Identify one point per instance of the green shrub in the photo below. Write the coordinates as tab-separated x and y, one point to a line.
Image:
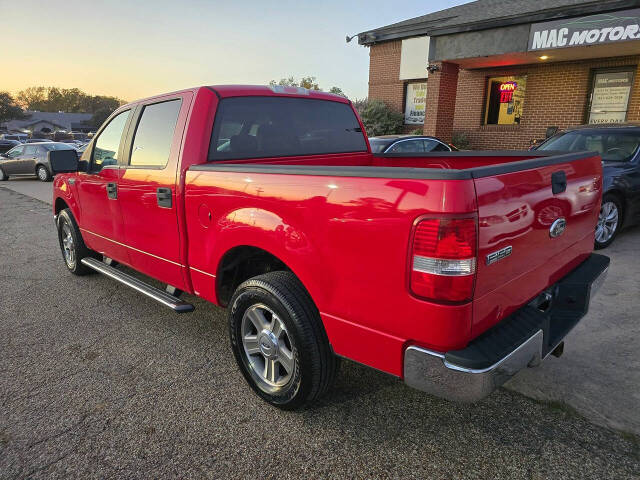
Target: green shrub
378	118
460	140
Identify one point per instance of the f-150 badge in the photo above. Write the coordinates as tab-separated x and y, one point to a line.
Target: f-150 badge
499	255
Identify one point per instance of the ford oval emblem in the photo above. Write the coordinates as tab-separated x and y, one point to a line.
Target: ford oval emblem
557	227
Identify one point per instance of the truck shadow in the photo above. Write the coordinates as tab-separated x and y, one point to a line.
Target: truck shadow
370	407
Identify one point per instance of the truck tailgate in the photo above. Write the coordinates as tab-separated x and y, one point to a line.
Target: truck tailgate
522	247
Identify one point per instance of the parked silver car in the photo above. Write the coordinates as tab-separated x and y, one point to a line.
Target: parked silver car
409	144
29	159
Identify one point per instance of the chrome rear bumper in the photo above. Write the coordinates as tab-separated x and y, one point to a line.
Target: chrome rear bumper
469	375
430	372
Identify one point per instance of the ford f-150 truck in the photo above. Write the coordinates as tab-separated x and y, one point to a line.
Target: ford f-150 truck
449	270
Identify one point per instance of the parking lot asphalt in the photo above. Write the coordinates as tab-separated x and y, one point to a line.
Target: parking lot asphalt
97	381
31	187
599	374
599	371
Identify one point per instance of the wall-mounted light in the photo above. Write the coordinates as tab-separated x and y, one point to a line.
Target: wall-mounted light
431	68
544	57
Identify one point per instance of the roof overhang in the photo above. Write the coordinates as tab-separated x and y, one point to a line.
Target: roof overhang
441	26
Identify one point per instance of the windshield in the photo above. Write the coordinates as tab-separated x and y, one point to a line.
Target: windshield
378	146
612	146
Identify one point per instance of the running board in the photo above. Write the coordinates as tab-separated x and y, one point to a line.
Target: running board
166	299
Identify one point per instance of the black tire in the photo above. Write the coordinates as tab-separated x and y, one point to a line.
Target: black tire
43	174
3	176
609	200
67	224
315	364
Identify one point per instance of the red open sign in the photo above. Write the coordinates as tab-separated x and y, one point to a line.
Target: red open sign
506	91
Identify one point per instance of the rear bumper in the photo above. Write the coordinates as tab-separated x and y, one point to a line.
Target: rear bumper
523	339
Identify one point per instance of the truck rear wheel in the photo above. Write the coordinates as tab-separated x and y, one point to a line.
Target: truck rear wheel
279	341
71	244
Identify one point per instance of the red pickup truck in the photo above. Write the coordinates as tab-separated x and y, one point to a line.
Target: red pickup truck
450	270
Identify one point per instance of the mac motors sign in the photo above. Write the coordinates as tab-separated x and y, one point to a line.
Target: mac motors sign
618	26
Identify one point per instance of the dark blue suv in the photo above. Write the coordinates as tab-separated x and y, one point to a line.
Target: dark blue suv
618	145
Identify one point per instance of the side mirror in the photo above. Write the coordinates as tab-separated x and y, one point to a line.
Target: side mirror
63	161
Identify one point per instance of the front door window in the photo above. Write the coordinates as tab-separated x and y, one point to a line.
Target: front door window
15	152
107	144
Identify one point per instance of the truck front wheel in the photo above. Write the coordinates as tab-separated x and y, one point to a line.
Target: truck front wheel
279	341
71	244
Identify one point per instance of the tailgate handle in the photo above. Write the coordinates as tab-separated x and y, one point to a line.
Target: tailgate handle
558	182
163	196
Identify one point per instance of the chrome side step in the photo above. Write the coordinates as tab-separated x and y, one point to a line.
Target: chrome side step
166	299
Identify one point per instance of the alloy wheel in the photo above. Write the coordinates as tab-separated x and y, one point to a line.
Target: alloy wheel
68	247
607	222
42	173
267	346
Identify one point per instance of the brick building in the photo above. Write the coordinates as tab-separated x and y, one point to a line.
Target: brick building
501	72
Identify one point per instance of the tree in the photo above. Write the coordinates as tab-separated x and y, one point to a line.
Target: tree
32	98
9	109
379	119
100	116
95	103
305	82
53	99
360	104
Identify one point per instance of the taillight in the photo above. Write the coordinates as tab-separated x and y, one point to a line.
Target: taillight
443	259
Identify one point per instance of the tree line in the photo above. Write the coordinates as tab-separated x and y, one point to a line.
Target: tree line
377	117
54	99
70	100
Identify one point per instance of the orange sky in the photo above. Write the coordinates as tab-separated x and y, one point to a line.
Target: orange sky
137	49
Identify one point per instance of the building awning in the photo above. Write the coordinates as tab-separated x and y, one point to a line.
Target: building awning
490	14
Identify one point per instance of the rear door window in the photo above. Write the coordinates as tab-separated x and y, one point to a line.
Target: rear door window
30	150
258	127
154	134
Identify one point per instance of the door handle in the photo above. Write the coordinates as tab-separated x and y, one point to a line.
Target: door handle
112	190
163	196
558	182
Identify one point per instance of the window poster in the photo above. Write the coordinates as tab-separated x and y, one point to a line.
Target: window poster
610	97
415	103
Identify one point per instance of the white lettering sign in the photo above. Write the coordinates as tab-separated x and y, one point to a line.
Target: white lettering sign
591	30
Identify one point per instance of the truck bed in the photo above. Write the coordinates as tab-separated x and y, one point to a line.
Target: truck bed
346	228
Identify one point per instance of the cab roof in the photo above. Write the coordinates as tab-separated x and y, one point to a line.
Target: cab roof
225	91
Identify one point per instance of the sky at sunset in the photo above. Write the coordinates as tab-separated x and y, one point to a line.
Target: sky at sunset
140	48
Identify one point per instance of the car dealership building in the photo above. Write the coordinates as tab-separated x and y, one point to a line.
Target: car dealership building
501	72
